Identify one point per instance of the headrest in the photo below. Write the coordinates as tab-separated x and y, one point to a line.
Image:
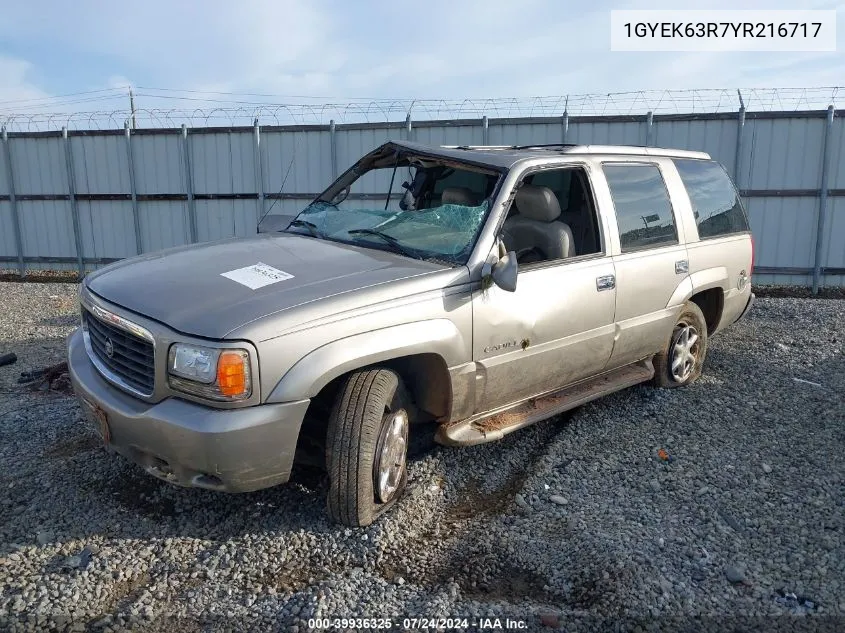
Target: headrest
537	203
458	195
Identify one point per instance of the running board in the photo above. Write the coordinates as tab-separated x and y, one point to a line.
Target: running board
495	425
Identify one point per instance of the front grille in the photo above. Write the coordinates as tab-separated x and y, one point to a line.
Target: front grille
132	357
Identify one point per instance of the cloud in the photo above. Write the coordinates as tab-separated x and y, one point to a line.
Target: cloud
15	85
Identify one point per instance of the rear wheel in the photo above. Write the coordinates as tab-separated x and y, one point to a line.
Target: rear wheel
367	446
682	361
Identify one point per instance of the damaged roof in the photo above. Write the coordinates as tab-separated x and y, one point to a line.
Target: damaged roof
506	156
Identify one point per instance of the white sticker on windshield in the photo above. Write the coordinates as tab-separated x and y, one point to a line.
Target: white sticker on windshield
257	276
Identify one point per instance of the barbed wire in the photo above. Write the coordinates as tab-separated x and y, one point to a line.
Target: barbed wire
233	112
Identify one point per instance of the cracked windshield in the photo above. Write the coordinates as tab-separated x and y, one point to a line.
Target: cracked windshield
413	206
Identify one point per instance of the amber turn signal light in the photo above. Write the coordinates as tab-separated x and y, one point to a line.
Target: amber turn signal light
232	374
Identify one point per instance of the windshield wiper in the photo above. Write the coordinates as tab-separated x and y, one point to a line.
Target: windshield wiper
312	228
391	241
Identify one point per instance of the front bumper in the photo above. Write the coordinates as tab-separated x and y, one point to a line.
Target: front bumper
234	450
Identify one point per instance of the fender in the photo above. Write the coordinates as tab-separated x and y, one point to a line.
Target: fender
702	280
316	369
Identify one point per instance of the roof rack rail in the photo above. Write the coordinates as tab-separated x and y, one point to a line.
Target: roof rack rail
476	146
541	145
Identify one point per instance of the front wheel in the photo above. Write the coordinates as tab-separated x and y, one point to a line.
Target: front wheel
681	362
367	446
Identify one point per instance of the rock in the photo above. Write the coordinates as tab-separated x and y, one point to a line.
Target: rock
767	469
400	580
561	501
551	620
44	537
734	574
521	502
73	562
654	485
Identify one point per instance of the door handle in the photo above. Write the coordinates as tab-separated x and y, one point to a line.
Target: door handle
605	282
682	267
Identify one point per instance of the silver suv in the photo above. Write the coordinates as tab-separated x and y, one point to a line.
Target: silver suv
464	292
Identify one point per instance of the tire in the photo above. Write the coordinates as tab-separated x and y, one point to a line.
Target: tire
687	367
362	436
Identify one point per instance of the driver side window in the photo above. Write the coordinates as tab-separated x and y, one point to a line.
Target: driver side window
552	217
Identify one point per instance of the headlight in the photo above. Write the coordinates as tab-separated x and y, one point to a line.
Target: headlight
216	374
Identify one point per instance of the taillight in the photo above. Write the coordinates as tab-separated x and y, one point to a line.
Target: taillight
751	267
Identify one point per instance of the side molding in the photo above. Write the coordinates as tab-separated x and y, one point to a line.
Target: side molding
315	370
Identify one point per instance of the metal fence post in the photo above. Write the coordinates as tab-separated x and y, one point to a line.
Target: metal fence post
136	217
74	207
485	130
13	203
739	130
564	127
649	122
817	266
408	127
259	170
333	147
189	187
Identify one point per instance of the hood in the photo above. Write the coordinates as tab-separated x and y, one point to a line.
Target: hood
184	288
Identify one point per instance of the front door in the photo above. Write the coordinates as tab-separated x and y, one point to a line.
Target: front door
556	328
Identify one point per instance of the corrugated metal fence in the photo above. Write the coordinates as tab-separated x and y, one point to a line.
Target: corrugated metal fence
81	199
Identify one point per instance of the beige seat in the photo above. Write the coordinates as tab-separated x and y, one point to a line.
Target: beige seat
535	232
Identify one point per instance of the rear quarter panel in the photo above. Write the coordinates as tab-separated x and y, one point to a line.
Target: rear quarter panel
721	262
718	262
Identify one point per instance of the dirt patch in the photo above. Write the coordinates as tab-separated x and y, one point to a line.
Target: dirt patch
798	292
510	583
600	587
122	594
446	551
141	492
73	447
472	500
293	577
41	276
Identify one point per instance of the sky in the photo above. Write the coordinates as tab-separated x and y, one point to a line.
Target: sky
336	51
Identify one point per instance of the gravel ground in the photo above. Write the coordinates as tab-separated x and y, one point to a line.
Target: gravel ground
574	523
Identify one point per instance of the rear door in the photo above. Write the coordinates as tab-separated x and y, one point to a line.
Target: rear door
651	260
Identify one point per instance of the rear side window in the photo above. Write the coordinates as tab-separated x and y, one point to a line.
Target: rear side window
643	209
715	203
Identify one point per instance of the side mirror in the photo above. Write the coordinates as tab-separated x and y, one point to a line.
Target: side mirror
505	272
501	267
